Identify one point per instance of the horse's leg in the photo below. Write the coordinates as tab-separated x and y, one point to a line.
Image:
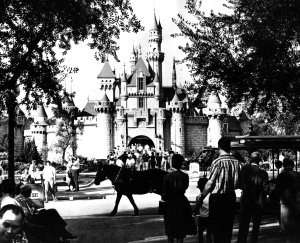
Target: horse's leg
115	210
136	210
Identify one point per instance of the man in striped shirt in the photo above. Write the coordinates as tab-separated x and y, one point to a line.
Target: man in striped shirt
224	176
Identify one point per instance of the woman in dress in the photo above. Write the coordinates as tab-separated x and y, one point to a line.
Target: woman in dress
178	218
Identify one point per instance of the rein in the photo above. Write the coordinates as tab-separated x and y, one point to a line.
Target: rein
118	174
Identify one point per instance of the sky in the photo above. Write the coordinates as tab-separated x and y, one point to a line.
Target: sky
85	84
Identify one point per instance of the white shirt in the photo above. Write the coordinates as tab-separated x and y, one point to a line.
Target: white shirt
49	173
6	200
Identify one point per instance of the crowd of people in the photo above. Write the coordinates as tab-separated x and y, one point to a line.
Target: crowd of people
216	203
140	158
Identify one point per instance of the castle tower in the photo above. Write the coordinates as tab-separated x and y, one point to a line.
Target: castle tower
39	129
133	59
155	56
124	94
177	108
107	81
104	130
215	114
174	78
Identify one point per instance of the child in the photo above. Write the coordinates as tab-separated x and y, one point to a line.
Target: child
203	222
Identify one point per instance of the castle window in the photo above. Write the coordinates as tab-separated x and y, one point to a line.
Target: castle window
140	84
141	103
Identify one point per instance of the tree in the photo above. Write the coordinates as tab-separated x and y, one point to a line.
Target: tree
30	152
31	32
67	130
251	54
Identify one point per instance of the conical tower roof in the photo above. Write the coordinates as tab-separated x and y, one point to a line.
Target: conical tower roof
40	111
214	100
68	101
175	98
106	71
155	25
105	98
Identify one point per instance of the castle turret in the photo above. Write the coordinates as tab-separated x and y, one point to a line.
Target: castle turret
104	130
155	56
215	114
107	81
124	94
133	59
174	78
39	129
177	108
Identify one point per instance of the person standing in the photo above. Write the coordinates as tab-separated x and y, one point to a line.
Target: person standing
75	172
32	168
254	185
130	162
224	176
69	179
11	220
178	220
49	176
288	190
203	222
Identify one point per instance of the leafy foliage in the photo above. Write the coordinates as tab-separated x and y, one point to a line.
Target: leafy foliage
66	130
31	32
251	54
30	152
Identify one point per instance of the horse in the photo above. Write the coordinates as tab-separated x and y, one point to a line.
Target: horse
127	182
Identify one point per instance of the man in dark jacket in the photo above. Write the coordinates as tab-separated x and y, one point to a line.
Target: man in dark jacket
254	183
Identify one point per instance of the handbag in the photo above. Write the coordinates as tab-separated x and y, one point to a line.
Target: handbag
162	207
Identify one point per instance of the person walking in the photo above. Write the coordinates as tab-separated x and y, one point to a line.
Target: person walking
288	190
75	172
49	176
254	185
178	220
224	177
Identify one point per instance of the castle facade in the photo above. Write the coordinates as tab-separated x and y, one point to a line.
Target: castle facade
136	108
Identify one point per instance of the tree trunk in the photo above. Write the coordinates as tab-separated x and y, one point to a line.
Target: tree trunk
11	105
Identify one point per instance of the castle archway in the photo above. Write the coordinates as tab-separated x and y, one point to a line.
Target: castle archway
143	140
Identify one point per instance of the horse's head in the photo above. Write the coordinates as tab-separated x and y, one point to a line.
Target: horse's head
101	174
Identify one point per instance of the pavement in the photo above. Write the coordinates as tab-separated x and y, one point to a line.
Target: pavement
86	212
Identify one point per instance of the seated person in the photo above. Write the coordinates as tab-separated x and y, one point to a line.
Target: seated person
26	177
48	218
11	219
37	175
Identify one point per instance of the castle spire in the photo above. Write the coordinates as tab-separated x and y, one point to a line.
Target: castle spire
174	85
155	25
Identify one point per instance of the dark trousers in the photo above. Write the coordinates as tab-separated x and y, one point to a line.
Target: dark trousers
221	215
75	174
246	213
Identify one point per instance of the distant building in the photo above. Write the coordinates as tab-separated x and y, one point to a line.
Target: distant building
136	108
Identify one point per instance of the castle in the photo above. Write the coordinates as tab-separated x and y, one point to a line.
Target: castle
136	108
